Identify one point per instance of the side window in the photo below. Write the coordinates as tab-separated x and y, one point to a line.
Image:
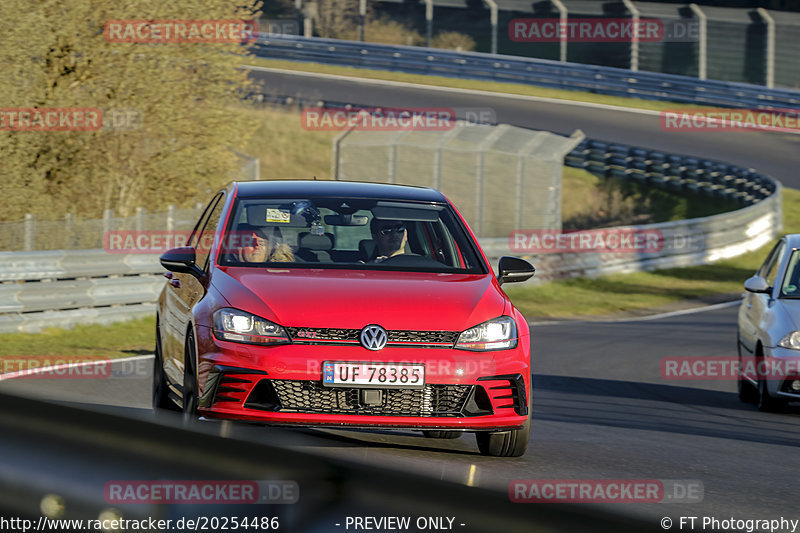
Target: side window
771	270
201	223
206	236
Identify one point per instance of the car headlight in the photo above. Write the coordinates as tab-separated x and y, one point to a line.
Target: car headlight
497	334
238	326
791	341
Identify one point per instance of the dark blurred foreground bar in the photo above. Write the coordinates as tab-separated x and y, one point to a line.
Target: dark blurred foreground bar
61	457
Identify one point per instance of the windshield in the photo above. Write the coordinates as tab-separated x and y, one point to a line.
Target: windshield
790	288
347	233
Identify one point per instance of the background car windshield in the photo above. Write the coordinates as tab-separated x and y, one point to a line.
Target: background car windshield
348	233
791	280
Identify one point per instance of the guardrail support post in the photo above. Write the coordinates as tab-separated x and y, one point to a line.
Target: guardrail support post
770	52
30	232
493	20
428	22
562	24
140	214
362	15
634	34
703	54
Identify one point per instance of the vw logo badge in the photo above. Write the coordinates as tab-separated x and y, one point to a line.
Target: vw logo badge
373	337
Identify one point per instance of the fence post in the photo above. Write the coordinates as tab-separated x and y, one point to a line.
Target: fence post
770	51
392	170
170	218
428	22
562	21
493	20
140	214
634	34
69	230
362	15
108	214
703	53
30	232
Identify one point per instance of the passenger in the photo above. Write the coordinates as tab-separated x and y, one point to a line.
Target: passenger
390	238
258	247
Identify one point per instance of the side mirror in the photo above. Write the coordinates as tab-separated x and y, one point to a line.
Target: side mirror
181	260
757	284
513	269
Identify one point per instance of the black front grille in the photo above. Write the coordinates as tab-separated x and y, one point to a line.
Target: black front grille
312	397
321	335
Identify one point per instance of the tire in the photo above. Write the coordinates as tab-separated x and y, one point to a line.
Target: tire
189	402
747	392
160	398
765	402
437	434
511	443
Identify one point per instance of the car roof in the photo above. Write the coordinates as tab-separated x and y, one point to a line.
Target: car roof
336	189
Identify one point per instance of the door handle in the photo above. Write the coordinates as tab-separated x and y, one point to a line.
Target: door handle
175	283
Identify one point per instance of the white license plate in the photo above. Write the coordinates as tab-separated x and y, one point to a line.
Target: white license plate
377	375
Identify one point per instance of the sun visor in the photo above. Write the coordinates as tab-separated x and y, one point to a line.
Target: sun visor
390	211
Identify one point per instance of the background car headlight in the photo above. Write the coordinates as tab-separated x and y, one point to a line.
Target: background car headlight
497	334
791	341
238	326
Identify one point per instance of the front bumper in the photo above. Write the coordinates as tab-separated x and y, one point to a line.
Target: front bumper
282	385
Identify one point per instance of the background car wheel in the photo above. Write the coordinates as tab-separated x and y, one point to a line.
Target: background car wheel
511	443
765	401
747	392
442	434
160	392
189	380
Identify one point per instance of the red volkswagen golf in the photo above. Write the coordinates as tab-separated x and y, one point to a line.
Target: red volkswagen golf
328	303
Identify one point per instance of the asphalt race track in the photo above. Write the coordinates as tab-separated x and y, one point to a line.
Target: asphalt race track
772	153
601	411
601	407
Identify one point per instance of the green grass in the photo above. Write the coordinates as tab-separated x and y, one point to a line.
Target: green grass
498	87
122	339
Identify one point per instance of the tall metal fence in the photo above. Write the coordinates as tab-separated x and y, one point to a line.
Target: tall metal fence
501	177
729	44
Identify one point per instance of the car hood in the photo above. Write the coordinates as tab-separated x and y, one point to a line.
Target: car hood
318	298
791	311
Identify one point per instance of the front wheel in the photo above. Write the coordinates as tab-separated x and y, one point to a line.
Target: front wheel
160	393
511	443
189	380
766	402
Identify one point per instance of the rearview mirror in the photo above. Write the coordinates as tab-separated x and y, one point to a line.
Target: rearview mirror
514	269
757	284
181	260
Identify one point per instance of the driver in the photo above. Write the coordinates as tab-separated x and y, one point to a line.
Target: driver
390	238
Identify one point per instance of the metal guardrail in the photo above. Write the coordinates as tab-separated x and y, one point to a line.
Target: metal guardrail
541	72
